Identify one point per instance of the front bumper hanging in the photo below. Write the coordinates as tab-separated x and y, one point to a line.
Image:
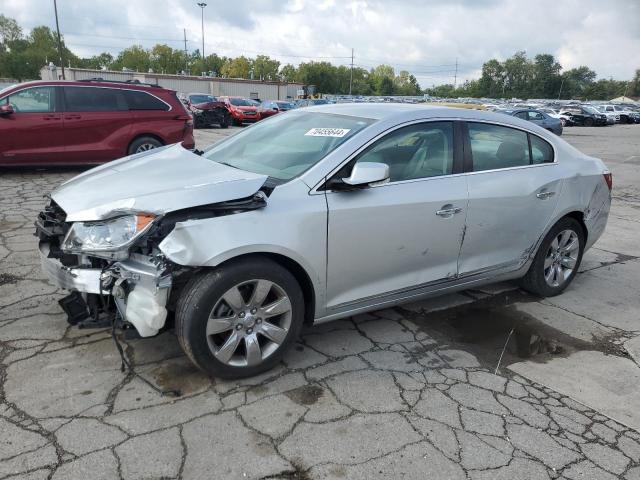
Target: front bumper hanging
139	287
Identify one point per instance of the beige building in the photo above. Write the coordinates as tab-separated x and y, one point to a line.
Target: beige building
187	84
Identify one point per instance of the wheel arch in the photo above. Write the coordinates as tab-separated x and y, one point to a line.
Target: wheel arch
297	270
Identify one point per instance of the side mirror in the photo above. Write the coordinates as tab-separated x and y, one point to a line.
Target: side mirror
368	173
6	109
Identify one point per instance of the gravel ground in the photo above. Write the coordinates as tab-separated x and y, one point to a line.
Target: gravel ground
407	392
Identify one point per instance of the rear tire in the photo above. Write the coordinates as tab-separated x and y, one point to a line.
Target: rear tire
557	260
238	320
142	144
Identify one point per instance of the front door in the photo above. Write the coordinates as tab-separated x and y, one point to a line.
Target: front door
402	235
34	133
513	192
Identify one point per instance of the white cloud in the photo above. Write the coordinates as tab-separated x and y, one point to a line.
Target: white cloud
422	37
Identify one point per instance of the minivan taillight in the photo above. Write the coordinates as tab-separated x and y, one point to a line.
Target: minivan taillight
609	179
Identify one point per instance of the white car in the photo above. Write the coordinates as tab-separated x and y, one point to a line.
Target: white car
564	119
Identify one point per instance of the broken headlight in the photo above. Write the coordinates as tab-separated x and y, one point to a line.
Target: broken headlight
106	235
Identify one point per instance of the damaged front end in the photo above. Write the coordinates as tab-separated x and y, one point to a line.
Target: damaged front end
114	269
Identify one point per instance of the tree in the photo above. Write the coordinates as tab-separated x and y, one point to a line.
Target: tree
288	73
239	67
97	62
576	80
546	76
265	68
10	31
133	58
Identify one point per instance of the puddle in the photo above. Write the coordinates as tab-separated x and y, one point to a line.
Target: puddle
483	327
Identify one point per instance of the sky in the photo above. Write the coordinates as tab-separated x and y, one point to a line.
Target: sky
425	37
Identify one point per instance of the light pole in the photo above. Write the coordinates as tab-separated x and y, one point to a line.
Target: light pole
55	9
202	5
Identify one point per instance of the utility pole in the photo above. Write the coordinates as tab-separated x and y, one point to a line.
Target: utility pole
55	9
455	77
202	5
351	74
561	84
186	54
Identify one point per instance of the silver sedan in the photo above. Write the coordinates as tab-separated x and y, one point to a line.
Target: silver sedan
315	215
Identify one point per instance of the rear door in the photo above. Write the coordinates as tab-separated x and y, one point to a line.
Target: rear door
33	134
97	123
150	117
513	186
404	235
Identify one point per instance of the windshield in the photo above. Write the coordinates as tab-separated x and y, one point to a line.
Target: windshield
590	110
201	98
286	145
6	89
241	102
285	105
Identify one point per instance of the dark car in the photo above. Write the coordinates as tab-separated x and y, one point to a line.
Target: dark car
585	116
242	110
272	107
539	118
87	122
207	110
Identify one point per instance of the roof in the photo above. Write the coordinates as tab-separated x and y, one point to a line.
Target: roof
98	83
404	111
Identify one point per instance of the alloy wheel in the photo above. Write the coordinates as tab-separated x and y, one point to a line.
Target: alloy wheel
561	258
249	323
144	147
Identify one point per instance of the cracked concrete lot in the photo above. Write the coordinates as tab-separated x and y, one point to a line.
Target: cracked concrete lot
406	393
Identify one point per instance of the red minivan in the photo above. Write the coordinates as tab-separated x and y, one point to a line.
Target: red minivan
87	122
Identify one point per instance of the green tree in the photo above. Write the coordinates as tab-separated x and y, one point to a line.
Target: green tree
10	31
238	67
288	73
265	68
133	58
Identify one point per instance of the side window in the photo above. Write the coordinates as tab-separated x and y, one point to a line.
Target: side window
522	115
138	100
93	99
537	116
33	100
495	146
417	151
541	151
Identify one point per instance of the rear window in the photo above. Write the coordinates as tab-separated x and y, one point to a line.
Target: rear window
93	99
138	100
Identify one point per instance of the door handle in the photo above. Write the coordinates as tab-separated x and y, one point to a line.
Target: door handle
51	117
545	194
73	117
449	211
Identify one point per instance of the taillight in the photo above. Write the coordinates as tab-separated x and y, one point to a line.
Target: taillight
609	179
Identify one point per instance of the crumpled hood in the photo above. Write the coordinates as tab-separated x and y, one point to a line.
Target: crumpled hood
157	181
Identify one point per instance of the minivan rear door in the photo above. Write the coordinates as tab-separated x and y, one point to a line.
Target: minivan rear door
97	123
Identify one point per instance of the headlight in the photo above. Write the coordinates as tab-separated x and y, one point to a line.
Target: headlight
106	235
196	110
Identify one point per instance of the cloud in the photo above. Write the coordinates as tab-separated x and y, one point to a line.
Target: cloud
425	38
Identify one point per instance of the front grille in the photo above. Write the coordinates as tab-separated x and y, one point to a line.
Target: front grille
249	113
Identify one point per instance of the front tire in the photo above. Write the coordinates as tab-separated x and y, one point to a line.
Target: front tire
557	260
238	320
588	122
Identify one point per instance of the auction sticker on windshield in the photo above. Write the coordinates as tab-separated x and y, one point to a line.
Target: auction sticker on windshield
328	132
